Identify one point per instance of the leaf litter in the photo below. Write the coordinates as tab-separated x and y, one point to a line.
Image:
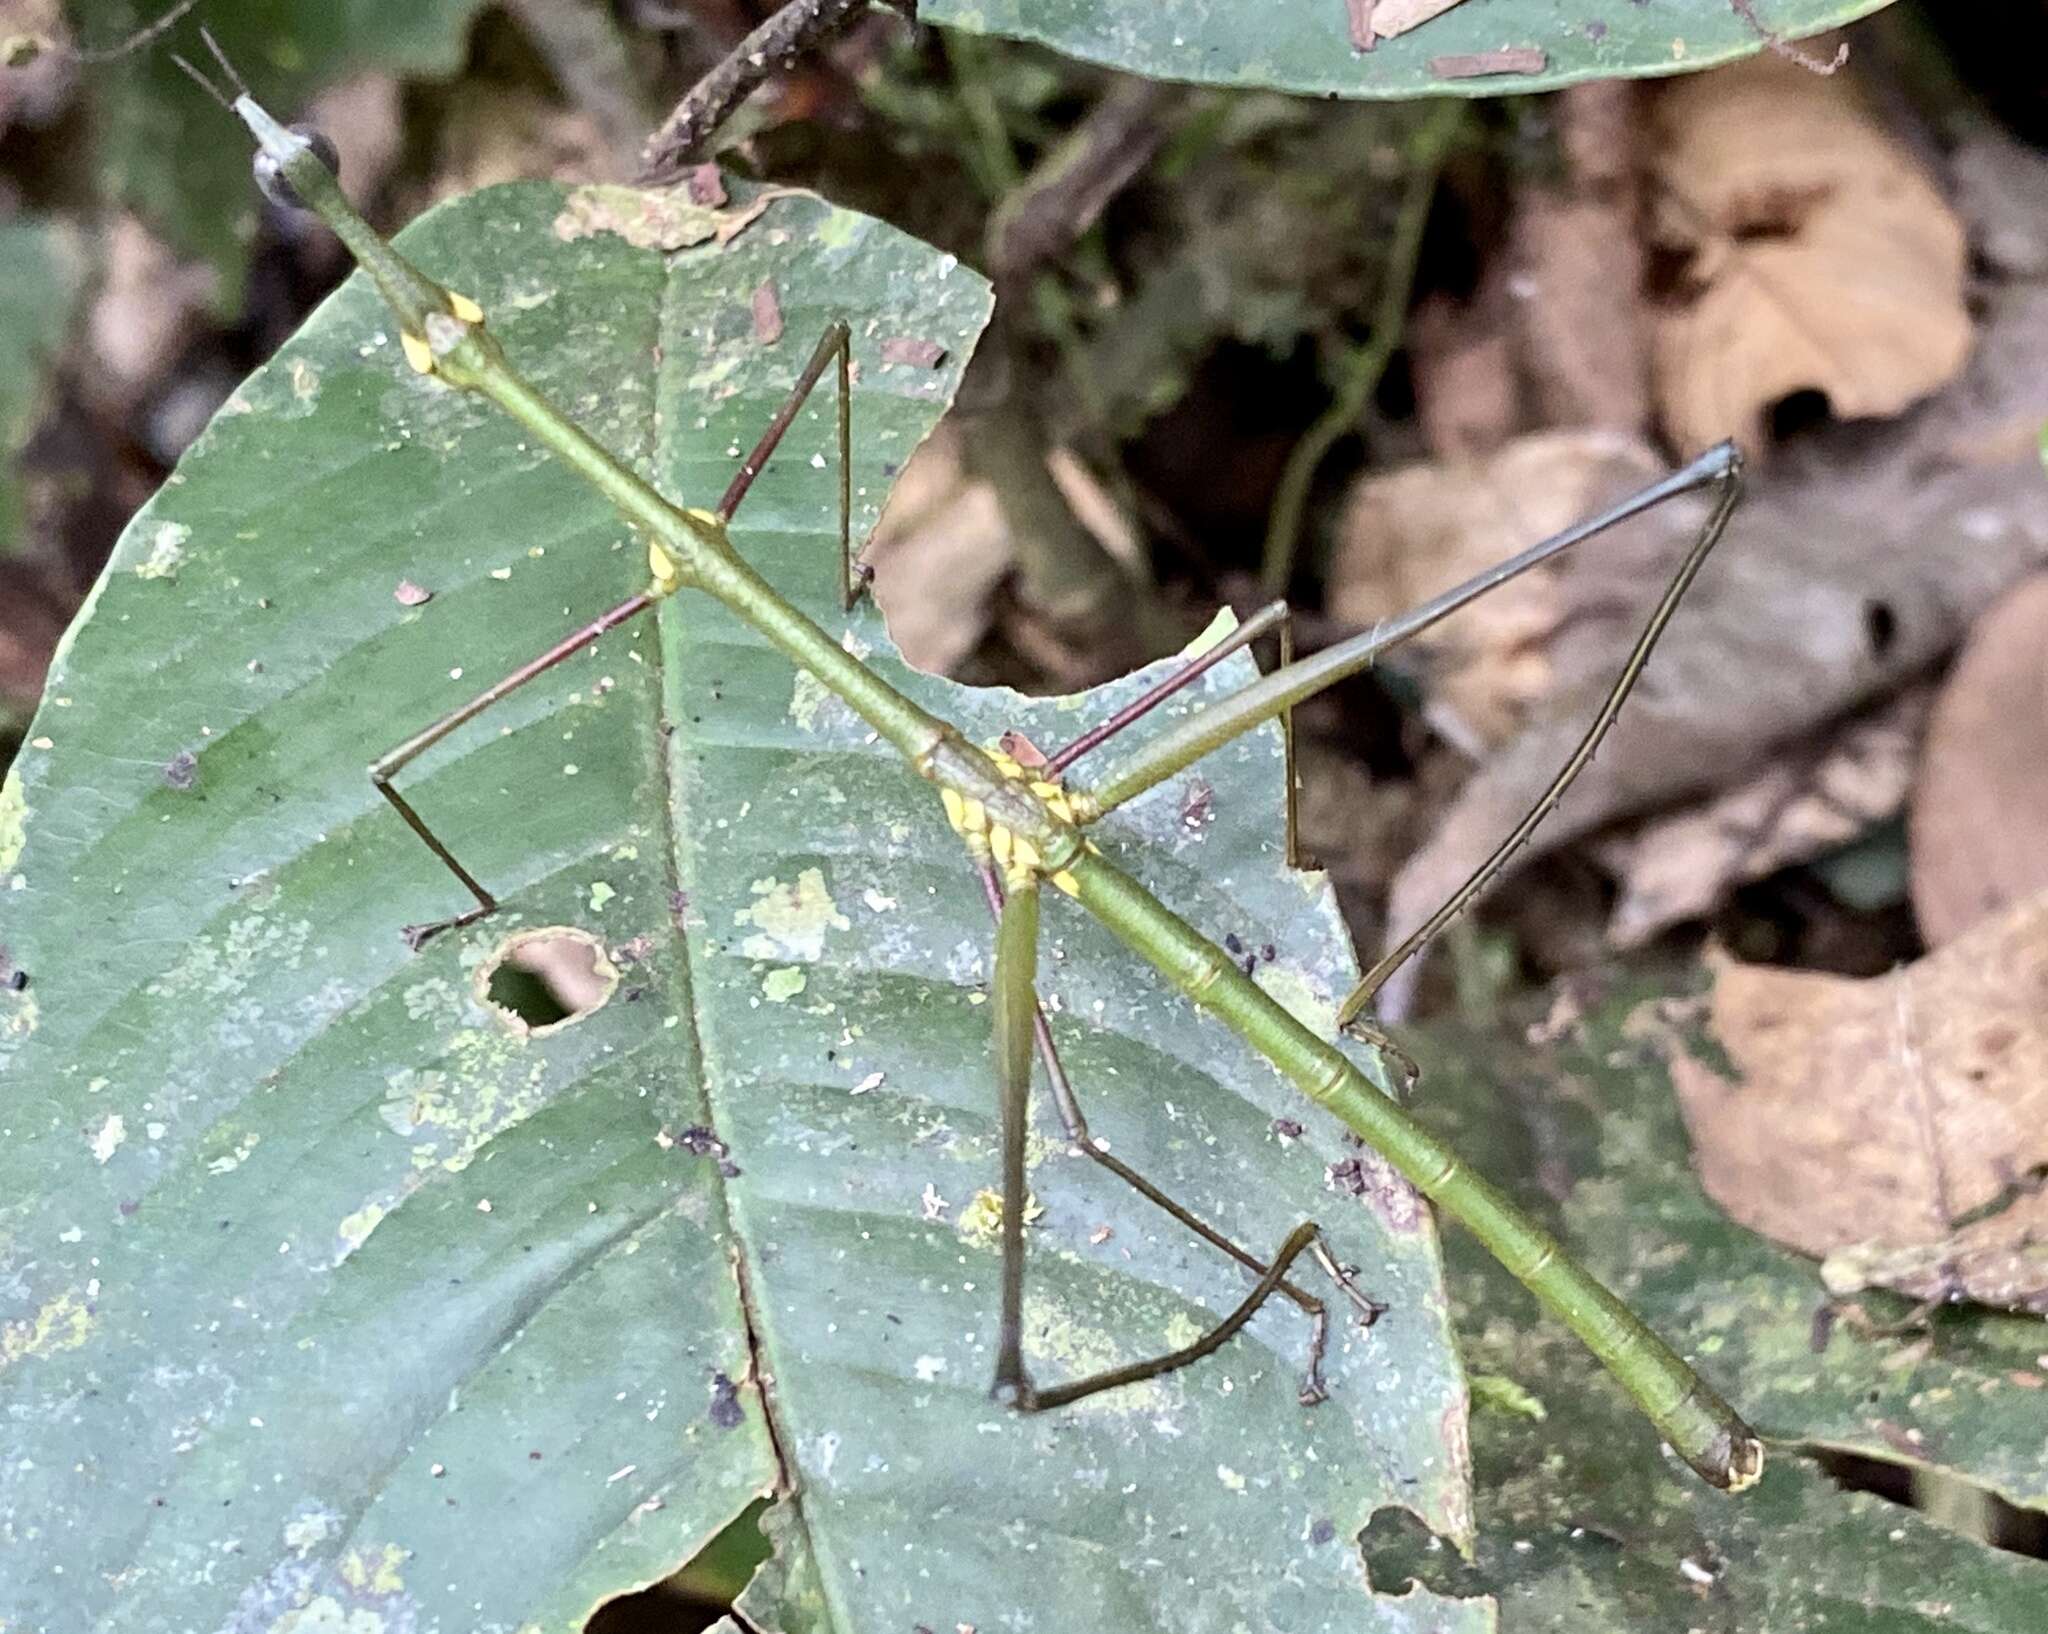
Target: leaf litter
1894	1127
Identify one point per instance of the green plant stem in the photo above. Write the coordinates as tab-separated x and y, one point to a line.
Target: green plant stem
1702	1428
1366	364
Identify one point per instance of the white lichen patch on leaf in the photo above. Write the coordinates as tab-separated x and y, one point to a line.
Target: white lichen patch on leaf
166	551
807	699
1060	1348
107	1139
218	966
61	1324
790	920
981	1221
783	983
13	820
374	1569
355	1228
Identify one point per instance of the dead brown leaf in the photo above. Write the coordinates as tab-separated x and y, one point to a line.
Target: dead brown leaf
1819	257
1407	535
1812	798
1979	823
1852	566
1896	1127
1463	367
939	553
1375	20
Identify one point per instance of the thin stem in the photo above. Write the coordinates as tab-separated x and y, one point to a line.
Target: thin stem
1188	742
801	26
1367	363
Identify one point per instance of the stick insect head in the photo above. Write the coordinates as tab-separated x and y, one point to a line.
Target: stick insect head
279	148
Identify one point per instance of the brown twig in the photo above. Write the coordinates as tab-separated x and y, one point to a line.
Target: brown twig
1043	216
797	28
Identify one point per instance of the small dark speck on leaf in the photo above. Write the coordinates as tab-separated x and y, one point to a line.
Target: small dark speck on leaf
767	313
1596	31
17	980
726	1412
730	1171
533	1457
1823	1328
181	771
1233	946
1287	1128
705	185
1322	1532
919	354
129	1208
701	1142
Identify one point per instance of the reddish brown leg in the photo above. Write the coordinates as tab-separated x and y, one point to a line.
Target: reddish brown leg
383	769
1075	1123
835	343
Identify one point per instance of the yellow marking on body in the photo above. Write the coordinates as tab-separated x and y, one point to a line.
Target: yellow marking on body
667	571
417	352
999	842
464	308
1027	854
1066	882
956	809
973	815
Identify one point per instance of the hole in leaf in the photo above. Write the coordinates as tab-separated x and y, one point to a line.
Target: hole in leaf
700	1592
1943	1497
542	980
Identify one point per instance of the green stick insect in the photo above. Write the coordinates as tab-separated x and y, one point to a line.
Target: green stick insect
1024	824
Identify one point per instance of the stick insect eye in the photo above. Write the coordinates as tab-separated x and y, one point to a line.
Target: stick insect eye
273	184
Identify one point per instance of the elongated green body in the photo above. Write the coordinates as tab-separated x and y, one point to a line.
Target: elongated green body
444	336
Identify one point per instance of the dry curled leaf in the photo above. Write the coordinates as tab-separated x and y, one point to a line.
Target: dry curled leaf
1850	568
1896	1127
939	553
1410	534
1375	20
1811	798
1979	824
1817	256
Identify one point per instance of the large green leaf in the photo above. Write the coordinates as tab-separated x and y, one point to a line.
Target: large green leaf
1305	45
324	1286
41	273
160	145
1576	1530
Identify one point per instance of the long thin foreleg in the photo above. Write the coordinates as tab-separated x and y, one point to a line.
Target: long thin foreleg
1271	695
389	765
1361	996
1075	1123
835	343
